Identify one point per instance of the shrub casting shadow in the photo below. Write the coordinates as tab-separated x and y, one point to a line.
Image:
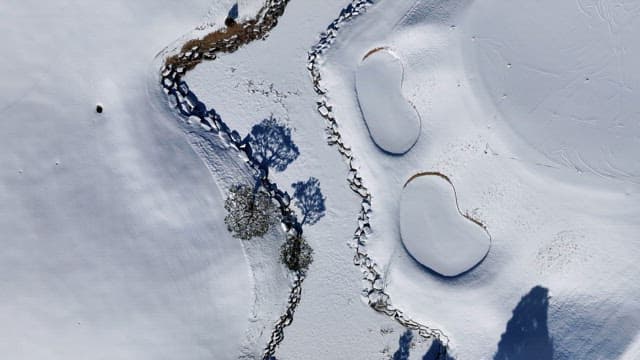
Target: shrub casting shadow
527	334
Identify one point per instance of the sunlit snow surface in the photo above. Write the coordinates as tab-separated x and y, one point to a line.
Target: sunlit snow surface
392	122
564	76
111	226
568	227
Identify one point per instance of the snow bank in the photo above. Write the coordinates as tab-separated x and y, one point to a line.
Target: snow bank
393	123
435	232
247	9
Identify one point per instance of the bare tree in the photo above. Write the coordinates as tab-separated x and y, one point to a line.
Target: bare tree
250	212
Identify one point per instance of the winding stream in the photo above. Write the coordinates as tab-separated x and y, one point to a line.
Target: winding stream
192	111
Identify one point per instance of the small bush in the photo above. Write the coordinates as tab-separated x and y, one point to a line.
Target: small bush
296	254
250	212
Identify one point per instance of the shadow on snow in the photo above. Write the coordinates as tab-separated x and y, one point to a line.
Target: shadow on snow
527	333
525	338
436	351
271	145
309	200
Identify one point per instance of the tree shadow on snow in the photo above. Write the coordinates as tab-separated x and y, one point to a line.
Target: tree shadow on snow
404	346
233	12
527	334
437	352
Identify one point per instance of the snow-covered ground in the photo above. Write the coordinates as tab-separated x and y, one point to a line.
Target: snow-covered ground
112	227
270	78
563	77
111	224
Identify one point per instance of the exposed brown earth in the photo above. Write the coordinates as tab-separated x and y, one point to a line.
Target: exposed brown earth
228	39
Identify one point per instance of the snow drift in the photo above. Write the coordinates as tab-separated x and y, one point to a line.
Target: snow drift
435	232
393	123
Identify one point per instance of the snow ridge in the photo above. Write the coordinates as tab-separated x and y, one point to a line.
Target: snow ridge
374	291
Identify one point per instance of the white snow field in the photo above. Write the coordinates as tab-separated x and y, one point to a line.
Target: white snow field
111	228
434	231
475	71
393	123
270	77
111	225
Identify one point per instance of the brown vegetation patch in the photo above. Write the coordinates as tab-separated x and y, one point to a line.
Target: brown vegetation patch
228	39
373	51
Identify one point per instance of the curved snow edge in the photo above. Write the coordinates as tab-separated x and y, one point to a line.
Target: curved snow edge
394	124
466	217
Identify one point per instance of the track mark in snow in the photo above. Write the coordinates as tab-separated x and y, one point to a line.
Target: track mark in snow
555	255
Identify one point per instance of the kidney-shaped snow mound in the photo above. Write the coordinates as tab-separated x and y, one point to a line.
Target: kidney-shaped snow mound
393	123
433	229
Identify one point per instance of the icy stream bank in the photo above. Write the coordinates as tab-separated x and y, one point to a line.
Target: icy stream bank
374	290
196	113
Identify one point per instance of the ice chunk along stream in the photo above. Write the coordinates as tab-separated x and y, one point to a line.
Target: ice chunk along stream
393	123
433	229
206	122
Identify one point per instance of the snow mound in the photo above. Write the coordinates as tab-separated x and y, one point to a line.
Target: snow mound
393	123
434	231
